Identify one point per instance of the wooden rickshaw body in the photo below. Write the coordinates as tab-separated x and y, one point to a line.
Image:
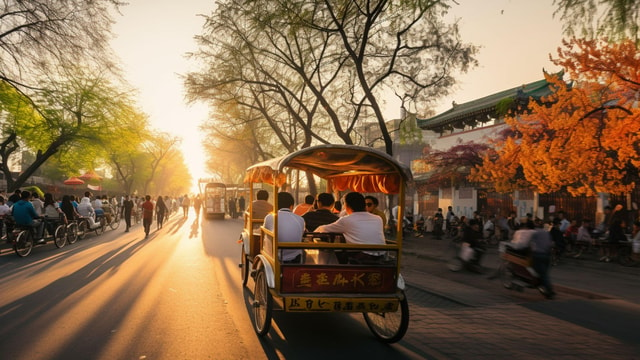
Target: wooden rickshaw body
320	283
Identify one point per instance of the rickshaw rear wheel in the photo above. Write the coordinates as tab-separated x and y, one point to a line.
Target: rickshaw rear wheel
244	266
82	229
23	243
72	233
389	327
262	304
60	236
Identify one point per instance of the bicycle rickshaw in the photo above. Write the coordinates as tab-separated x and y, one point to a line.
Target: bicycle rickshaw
320	283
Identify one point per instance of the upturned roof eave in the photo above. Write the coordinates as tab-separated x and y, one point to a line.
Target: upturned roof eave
485	105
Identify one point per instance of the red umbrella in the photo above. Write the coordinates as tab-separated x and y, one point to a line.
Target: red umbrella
73	181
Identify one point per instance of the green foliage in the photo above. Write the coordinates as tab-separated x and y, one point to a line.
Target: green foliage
614	19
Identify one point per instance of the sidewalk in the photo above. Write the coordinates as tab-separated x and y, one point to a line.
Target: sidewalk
453	319
567	275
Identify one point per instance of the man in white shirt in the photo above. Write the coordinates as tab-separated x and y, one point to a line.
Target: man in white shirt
358	227
37	203
290	227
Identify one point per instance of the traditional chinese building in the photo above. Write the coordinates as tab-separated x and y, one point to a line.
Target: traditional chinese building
478	121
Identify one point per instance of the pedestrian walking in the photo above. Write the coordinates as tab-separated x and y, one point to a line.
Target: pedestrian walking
147	215
161	212
241	204
197	205
127	206
186	202
232	208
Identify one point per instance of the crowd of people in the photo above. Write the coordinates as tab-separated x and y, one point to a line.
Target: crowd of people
26	209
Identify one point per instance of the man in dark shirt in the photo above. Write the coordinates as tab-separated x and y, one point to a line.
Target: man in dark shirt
322	215
25	215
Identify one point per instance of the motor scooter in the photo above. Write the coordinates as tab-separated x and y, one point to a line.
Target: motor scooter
516	271
467	258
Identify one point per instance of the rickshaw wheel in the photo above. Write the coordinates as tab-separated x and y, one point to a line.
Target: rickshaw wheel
262	304
244	267
72	233
60	236
82	229
389	327
23	244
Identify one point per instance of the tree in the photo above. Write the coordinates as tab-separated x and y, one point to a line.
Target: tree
72	113
585	136
43	37
316	70
452	166
157	147
616	19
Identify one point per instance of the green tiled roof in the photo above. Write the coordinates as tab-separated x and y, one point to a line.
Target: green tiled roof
484	106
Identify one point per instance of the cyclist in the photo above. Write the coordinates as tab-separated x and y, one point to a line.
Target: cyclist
107	208
86	212
67	207
25	215
52	213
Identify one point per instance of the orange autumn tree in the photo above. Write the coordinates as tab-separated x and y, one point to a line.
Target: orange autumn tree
585	136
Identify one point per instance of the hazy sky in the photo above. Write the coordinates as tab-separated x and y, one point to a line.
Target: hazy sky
516	36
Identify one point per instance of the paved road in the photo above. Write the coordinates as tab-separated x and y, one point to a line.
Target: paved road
177	295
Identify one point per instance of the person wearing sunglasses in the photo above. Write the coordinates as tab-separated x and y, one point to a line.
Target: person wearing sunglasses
371	203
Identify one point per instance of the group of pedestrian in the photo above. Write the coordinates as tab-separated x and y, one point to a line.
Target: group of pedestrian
236	206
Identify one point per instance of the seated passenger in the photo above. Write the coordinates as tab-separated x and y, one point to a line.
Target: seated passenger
303	208
371	203
290	228
358	227
261	207
86	212
323	214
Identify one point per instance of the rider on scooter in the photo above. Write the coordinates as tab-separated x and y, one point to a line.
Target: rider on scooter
539	243
472	235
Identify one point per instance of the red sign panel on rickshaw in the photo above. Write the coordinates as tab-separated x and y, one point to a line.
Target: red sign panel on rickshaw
368	280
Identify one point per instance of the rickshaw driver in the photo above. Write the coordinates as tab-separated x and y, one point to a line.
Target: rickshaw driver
261	206
358	227
290	228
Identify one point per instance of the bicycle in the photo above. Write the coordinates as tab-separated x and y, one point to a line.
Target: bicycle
115	220
72	232
22	238
59	234
84	228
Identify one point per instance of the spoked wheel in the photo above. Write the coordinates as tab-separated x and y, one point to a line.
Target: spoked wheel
60	236
389	327
455	264
244	267
72	233
506	277
100	229
23	244
115	222
82	229
262	304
